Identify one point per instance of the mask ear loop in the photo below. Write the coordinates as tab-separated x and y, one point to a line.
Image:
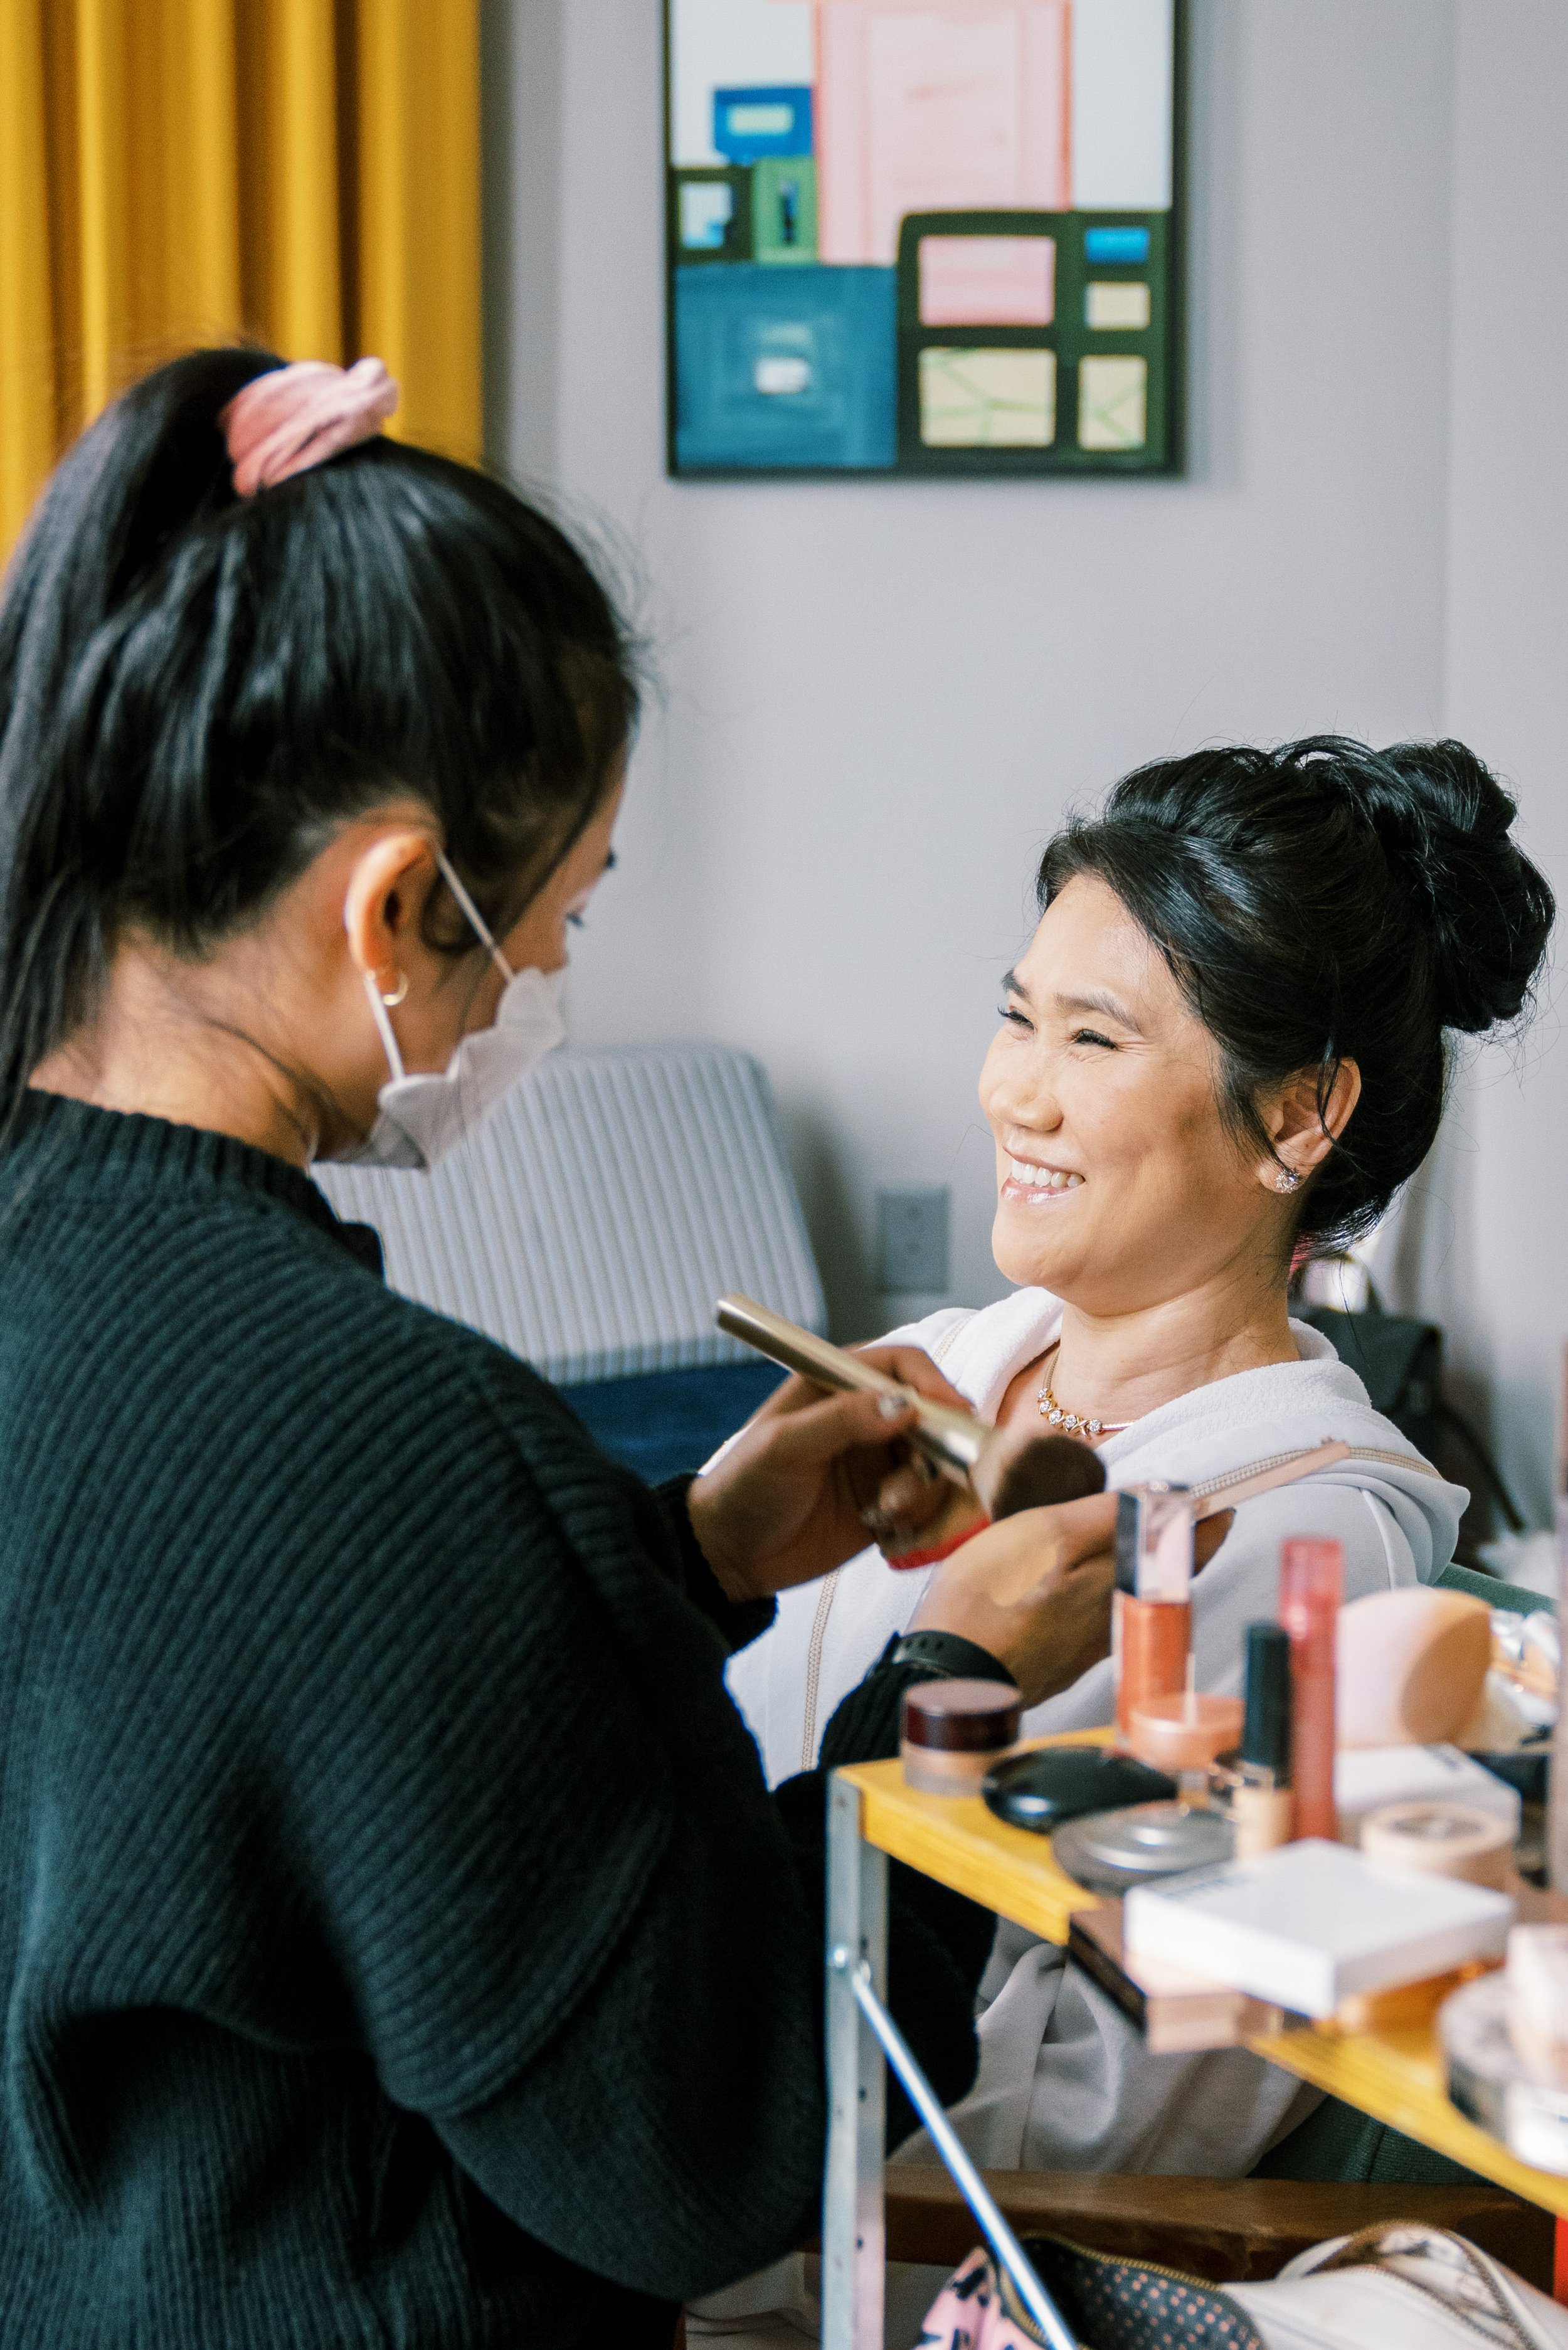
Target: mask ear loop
480	926
384	1023
378	1002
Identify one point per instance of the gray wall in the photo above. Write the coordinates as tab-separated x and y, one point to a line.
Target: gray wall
878	698
1507	685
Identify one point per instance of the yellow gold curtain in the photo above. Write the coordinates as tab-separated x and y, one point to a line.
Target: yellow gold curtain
303	172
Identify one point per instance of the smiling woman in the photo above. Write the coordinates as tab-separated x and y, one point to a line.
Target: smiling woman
1228	1037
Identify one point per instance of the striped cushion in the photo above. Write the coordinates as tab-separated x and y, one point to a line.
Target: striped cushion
594	1218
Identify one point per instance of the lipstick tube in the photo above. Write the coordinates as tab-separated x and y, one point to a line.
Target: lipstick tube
1312	1585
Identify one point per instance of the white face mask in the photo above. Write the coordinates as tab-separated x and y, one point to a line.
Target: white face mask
420	1119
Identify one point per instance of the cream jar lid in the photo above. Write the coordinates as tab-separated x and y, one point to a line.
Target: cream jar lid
1439	1839
963	1717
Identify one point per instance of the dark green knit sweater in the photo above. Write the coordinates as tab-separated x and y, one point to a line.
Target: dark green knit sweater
398	1942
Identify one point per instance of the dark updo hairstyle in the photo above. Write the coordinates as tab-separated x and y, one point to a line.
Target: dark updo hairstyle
195	688
1320	903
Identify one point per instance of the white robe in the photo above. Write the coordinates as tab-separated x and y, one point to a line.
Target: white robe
1066	2082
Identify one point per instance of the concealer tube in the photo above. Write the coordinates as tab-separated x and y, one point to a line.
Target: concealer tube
1262	1807
1312	1585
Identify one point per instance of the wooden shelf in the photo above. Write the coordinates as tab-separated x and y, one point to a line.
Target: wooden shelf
956	1840
1395	2076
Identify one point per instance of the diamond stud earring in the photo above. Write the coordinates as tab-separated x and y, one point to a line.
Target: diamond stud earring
1287	1179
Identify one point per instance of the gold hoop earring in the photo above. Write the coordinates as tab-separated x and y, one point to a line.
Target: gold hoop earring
398	992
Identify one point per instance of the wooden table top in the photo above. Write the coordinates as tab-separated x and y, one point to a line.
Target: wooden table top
1395	2076
956	1840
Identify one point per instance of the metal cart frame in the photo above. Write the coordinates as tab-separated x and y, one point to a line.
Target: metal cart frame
862	2041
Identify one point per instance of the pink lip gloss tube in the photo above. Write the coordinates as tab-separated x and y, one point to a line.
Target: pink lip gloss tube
1312	1585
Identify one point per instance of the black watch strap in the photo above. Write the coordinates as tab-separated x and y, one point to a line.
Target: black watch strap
950	1654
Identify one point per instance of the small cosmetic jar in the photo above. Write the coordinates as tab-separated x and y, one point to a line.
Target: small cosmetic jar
1441	1840
954	1730
1493	2084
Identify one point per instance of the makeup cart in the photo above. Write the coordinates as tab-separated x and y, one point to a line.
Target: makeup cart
872	1817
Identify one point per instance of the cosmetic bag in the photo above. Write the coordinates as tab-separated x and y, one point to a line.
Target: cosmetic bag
1393	2287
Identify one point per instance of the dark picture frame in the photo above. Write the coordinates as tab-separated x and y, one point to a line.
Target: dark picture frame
828	371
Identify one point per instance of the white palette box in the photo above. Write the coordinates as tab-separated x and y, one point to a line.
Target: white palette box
1308	1924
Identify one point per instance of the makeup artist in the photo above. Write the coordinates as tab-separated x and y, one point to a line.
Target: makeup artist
398	1939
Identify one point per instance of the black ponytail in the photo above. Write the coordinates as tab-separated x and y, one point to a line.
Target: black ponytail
1325	902
195	688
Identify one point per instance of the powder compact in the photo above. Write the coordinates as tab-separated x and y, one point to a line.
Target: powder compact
1048	1785
1113	1851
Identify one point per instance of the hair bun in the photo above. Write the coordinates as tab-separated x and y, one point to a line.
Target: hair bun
1444	823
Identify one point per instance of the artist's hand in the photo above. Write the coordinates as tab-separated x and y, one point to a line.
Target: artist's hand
1036	1590
786	1502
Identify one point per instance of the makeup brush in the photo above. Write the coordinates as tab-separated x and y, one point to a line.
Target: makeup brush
1020	1471
997	1472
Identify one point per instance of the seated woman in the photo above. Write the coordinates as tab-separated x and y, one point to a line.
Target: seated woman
1225	1043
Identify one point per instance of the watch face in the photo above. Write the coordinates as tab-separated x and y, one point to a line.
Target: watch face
1057	1783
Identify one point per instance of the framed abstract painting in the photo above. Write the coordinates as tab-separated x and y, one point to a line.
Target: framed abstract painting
923	237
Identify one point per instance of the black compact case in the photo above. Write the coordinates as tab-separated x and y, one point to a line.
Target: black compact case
1042	1789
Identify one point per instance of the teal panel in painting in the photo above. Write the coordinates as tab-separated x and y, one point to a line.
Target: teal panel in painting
785	367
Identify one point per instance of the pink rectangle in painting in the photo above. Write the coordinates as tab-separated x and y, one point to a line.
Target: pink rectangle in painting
937	106
988	281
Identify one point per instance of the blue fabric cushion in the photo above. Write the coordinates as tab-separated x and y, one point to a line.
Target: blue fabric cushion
664	1423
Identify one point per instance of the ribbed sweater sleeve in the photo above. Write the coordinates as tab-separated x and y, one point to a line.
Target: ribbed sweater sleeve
728	2138
715	1979
736	1621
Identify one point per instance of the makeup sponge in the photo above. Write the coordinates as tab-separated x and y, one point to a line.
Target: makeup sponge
1411	1665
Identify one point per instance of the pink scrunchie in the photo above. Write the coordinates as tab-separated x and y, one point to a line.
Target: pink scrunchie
295	416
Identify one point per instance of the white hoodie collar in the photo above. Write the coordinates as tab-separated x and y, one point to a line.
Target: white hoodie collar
1215	1428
